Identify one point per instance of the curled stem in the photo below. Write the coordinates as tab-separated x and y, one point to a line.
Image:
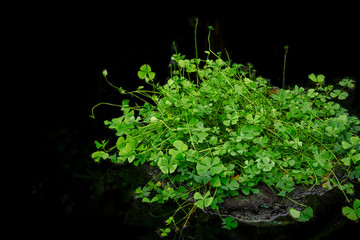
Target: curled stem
102	103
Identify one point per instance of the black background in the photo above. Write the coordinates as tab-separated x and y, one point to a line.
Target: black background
73	44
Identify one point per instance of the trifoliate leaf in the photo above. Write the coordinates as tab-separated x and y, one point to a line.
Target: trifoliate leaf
349	213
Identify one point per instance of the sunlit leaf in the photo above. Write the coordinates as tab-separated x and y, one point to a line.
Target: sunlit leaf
180	145
294	213
345	145
167	165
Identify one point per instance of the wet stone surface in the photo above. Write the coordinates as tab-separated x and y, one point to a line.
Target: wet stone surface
266	207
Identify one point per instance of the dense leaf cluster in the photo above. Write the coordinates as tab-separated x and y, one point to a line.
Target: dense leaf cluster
214	130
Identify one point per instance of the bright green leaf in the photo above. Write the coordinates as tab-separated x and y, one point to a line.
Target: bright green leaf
141	74
312	77
98	155
180	156
349	213
306	214
234	185
200	204
193	121
203	201
151	75
317	79
202	136
320	78
131	158
346	161
217	169
98	145
182	63
302	216
333	95
180	145
294	213
169	220
345	145
202	169
354	140
343	95
167	165
215	181
145	68
198	196
213	140
208	201
312	93
227	123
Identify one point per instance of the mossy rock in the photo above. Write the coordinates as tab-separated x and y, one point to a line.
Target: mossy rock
267	208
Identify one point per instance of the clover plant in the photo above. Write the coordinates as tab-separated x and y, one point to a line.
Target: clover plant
215	130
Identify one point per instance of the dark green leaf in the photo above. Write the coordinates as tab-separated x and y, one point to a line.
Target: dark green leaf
350	213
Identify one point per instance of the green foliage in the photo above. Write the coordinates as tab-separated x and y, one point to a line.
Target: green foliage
203	201
164	231
317	79
98	155
215	130
230	223
302	216
352	213
146	73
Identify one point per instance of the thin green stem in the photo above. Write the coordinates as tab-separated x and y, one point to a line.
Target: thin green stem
102	103
196	51
286	50
292	200
111	83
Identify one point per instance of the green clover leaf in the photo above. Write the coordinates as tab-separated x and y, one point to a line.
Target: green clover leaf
302	216
317	79
265	164
347	82
98	155
180	145
211	165
203	201
167	165
354	212
146	73
230	223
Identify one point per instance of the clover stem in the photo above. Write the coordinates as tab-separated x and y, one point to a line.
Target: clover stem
196	24
286	50
191	138
340	186
102	103
292	200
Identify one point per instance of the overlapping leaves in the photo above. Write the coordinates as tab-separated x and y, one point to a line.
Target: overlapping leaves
215	130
